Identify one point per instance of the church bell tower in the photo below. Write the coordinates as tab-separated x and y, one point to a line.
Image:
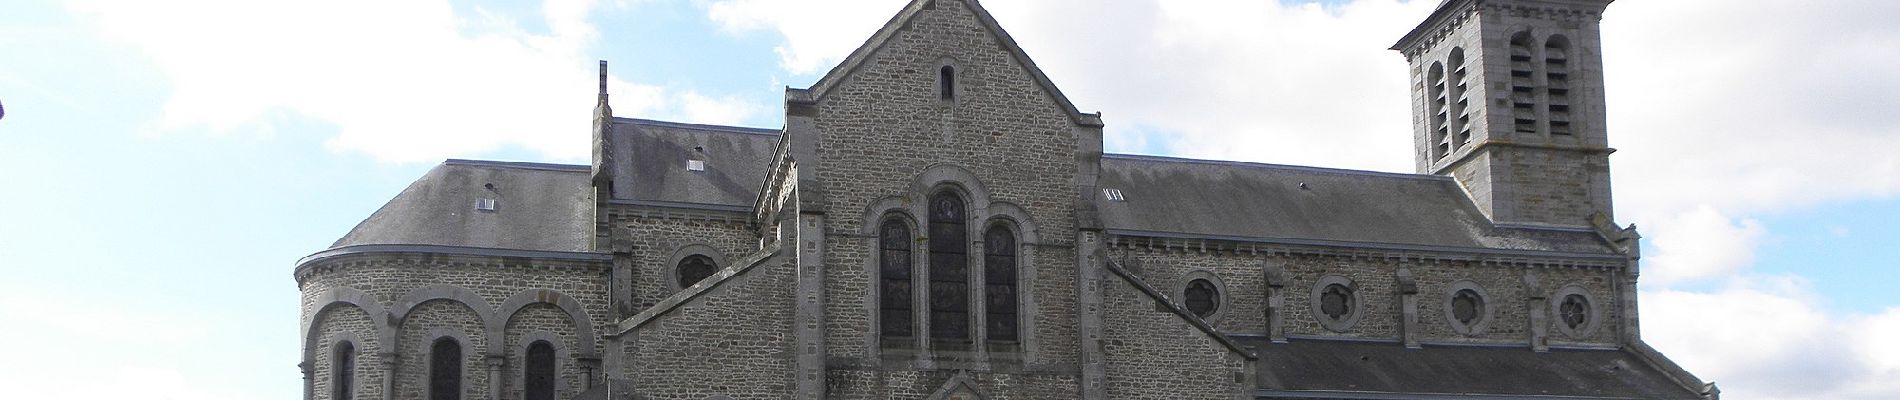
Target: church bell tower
1507	97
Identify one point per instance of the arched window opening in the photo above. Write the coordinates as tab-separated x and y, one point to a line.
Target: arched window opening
1523	92
343	371
695	268
1460	106
894	291
949	270
539	382
1436	81
445	370
1202	297
947	83
1557	75
999	283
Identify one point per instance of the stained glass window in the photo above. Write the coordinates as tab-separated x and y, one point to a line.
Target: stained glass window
445	370
949	270
1336	301
1202	298
999	283
539	383
894	264
343	371
695	268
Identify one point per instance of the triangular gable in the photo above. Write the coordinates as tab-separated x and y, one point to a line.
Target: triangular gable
890	29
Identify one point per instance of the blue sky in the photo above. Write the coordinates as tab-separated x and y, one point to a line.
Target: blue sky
163	167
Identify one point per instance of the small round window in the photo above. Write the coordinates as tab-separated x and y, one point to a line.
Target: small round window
1466	306
695	268
1335	303
1466	309
1203	298
1575	311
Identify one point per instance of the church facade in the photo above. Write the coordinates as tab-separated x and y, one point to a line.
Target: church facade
935	220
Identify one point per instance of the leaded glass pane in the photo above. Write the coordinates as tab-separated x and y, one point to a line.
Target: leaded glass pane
445	370
539	383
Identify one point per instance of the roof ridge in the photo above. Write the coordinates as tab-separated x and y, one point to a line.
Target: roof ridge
1261	165
707	127
518	165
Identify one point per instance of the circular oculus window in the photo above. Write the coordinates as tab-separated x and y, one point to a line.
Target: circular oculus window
1336	303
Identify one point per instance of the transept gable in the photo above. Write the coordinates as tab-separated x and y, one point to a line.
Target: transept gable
899	24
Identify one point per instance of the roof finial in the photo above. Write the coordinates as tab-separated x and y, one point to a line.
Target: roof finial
603	81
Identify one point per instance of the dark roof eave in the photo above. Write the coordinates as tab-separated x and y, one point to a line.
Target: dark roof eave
450	250
1368	245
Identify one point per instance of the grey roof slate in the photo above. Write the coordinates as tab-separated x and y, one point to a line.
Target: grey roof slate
537	207
1248	201
652	158
546	206
1345	369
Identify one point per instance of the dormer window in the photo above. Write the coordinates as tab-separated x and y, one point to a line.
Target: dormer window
947	83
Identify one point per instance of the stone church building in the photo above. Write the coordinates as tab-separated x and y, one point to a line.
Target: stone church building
935	220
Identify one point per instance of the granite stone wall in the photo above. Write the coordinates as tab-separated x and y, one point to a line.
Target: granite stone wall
658	236
733	340
460	295
1153	353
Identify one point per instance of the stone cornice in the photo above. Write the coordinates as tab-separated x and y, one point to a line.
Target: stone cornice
1185	243
307	265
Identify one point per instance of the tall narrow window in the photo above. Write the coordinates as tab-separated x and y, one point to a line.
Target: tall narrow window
1523	94
894	294
947	83
445	370
949	270
343	371
539	382
1460	106
695	268
999	283
1557	76
1436	81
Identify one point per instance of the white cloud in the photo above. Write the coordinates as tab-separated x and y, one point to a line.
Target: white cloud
1768	337
1700	243
402	81
818	33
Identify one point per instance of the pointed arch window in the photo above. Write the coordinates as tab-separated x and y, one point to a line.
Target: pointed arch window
999	283
343	371
445	370
539	382
949	270
894	289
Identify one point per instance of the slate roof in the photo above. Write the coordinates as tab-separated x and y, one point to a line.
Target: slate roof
653	155
546	207
1165	196
537	207
1373	370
